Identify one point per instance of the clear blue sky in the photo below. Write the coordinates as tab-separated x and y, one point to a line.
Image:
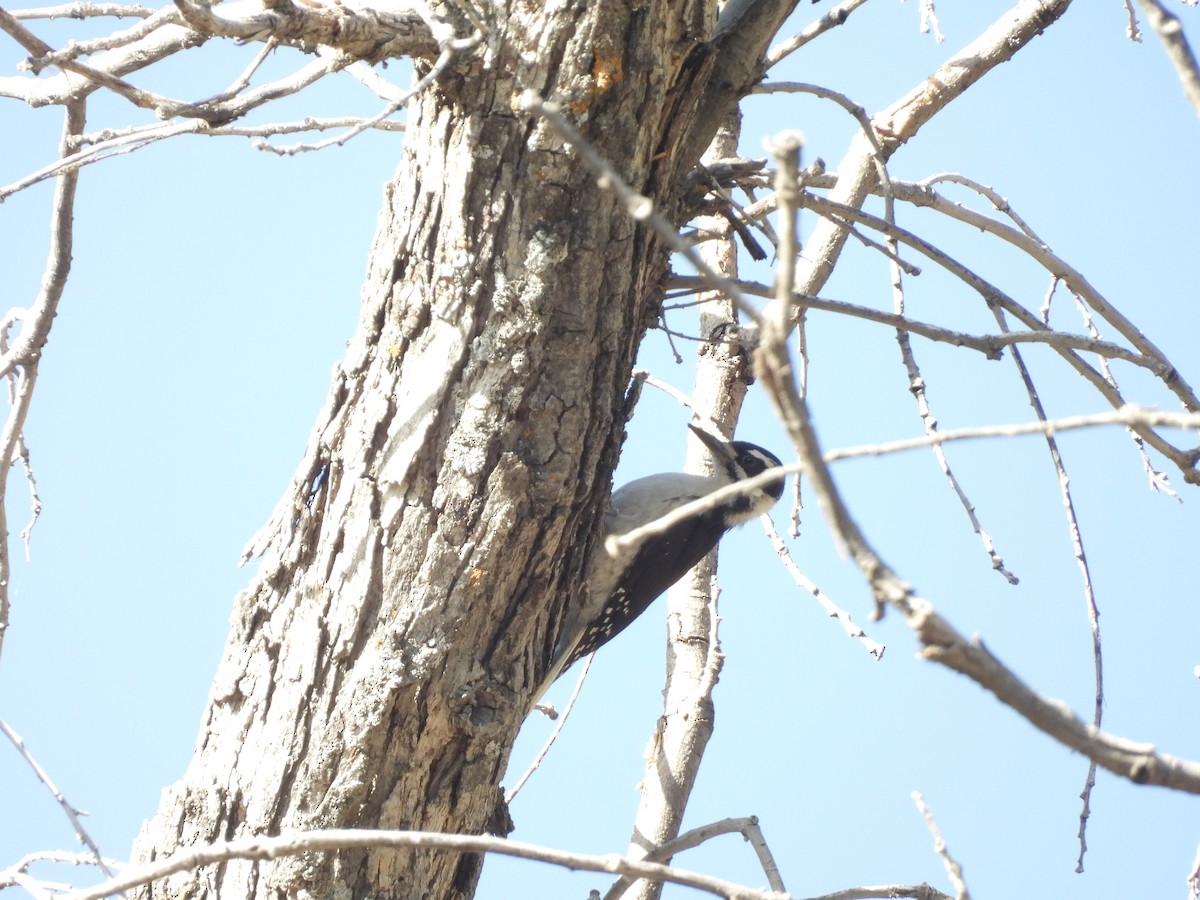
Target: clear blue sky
214	287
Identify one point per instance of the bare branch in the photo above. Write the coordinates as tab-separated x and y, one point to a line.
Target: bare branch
109	143
1162	367
1169	30
682	399
835	17
75	49
866	131
85	10
1055	265
941	642
1012	31
12	447
40	49
20	361
1085	813
887	891
747	827
226	110
1140	763
1129	416
336	29
1075	533
373	35
64	87
901	121
267	848
753	833
990	345
1131	29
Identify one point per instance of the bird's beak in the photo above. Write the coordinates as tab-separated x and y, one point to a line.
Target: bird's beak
718	447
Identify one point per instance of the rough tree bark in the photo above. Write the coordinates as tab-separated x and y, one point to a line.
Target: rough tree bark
380	664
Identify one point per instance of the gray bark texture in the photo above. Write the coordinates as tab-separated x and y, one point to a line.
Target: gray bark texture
380	665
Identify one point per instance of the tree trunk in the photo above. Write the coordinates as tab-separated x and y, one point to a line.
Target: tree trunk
380	664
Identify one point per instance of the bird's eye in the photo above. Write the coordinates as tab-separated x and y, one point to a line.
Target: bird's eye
755	460
752	464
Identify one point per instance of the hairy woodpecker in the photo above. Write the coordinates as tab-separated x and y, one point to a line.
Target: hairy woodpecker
621	588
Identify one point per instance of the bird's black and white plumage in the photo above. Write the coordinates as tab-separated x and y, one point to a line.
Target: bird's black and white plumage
620	588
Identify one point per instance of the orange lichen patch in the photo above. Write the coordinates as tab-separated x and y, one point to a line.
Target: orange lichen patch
606	69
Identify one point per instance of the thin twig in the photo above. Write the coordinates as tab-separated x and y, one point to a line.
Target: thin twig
447	55
35	501
843	618
17	875
1127	416
929	21
918	387
71	812
243	81
562	720
1056	265
953	869
865	126
374	82
1075	533
106	144
836	16
999	203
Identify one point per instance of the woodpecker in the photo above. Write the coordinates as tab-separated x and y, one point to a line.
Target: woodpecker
620	588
